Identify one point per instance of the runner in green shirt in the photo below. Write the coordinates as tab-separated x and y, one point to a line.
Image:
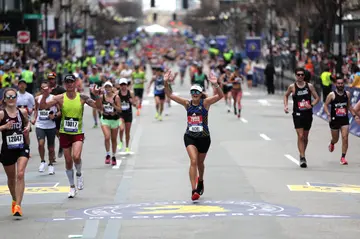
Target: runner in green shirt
138	80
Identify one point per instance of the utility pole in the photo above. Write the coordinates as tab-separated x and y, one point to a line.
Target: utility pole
46	24
340	59
271	33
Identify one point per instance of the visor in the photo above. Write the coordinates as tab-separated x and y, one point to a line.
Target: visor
196	87
108	83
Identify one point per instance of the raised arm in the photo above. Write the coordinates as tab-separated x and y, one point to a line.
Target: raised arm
55	100
90	102
219	93
168	91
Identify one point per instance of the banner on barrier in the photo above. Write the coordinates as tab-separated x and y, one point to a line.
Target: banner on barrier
54	49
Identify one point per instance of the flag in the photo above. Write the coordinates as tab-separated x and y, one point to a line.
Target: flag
54	49
253	47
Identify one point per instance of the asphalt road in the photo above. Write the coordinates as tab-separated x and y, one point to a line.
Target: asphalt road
254	187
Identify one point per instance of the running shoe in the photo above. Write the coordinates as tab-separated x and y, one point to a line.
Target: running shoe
42	167
127	150
200	187
51	170
120	145
303	163
156	115
72	193
195	195
107	159
343	161
331	147
113	161
138	112
80	182
17	211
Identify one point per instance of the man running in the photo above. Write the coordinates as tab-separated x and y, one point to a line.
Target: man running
45	129
71	104
339	100
302	110
138	78
159	92
94	80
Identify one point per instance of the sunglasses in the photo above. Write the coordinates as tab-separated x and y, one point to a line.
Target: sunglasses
10	97
195	92
300	75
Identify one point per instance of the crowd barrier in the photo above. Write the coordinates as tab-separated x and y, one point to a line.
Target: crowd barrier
318	109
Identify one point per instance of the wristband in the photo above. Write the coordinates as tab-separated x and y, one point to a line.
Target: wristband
97	97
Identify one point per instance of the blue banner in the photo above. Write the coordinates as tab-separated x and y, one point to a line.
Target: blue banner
221	42
117	41
90	45
253	47
54	49
355	97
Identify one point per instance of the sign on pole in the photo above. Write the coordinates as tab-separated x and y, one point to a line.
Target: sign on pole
253	47
23	37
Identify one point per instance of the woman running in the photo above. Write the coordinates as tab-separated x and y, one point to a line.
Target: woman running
127	100
197	136
14	125
159	93
110	104
236	91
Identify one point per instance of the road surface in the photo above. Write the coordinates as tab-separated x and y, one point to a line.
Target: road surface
253	185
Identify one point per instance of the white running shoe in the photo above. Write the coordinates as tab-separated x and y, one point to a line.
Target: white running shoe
72	193
42	167
80	182
51	170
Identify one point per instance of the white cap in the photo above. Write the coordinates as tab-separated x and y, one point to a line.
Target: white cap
228	68
108	83
196	87
76	75
123	81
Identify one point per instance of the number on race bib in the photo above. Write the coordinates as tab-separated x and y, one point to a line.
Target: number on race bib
195	123
302	104
71	125
125	105
108	108
160	87
44	114
15	141
340	111
137	81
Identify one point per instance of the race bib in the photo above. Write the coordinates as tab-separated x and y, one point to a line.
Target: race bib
15	141
137	81
302	104
340	111
125	105
108	108
71	125
44	114
159	87
195	123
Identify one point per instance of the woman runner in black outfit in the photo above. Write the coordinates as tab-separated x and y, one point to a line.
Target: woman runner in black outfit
197	136
14	125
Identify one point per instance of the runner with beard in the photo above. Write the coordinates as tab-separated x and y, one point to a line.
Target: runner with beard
339	100
302	110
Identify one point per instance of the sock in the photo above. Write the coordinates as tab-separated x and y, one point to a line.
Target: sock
114	154
78	169
70	175
107	153
343	155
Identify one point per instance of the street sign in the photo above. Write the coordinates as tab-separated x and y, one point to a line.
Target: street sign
33	16
23	37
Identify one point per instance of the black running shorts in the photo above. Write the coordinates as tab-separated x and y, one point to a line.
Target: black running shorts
303	122
337	124
202	143
10	157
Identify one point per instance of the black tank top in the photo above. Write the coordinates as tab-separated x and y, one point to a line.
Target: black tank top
108	110
301	98
125	103
13	139
339	107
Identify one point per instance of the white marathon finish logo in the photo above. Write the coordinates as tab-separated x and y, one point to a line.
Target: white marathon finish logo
189	210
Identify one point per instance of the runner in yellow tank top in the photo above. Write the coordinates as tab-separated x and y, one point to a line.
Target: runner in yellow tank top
71	104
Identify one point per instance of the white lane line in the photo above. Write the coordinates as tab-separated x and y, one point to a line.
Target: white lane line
246	93
75	236
292	159
243	120
264	136
56	185
118	164
264	102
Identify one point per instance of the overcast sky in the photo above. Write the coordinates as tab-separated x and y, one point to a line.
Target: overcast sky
166	5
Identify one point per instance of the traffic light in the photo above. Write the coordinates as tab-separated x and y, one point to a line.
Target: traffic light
174	17
185	4
154	17
152	3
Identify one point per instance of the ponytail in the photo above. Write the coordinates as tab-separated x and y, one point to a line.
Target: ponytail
204	96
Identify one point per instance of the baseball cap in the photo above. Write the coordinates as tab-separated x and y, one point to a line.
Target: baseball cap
228	68
123	81
108	83
196	87
69	78
51	75
22	81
